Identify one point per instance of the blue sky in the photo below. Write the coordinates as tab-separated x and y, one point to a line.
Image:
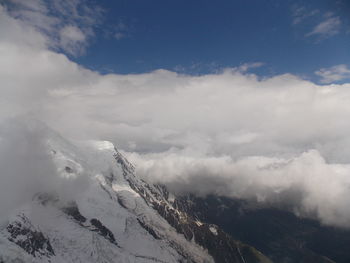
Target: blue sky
199	37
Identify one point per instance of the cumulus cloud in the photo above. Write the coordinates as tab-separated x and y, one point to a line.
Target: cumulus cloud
333	74
277	139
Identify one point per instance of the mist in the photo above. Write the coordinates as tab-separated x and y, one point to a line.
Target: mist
26	166
277	139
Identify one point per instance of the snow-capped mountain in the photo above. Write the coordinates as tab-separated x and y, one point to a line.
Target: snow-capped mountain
114	217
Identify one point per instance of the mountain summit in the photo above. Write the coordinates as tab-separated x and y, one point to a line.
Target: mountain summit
97	210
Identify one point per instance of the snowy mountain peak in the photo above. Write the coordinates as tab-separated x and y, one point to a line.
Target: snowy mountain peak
95	209
91	214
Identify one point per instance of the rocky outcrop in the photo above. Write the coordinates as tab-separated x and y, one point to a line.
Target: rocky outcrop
23	234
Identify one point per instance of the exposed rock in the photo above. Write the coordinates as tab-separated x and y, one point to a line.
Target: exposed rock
69	170
23	234
279	234
148	229
74	212
102	230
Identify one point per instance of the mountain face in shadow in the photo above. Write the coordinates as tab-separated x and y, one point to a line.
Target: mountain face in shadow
280	235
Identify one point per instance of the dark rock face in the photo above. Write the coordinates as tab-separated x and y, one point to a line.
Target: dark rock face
280	235
148	229
74	212
30	239
95	226
221	246
102	230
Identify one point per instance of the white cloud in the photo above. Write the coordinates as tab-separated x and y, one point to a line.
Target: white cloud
327	28
66	24
307	182
277	139
119	35
247	66
121	30
300	14
72	39
333	74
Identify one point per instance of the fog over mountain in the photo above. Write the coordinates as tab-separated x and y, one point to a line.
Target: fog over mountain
278	139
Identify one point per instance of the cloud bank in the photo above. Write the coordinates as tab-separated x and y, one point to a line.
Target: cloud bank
279	139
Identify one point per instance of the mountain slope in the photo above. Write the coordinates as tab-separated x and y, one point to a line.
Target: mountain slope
101	212
279	234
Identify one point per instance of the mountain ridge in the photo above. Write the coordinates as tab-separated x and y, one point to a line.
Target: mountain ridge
102	212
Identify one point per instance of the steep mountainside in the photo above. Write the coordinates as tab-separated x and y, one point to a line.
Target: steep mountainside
115	217
280	235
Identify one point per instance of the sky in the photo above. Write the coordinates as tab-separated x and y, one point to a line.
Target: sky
245	99
306	38
199	37
202	37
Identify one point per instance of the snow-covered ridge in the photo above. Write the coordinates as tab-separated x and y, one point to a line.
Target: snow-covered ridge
97	210
103	221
